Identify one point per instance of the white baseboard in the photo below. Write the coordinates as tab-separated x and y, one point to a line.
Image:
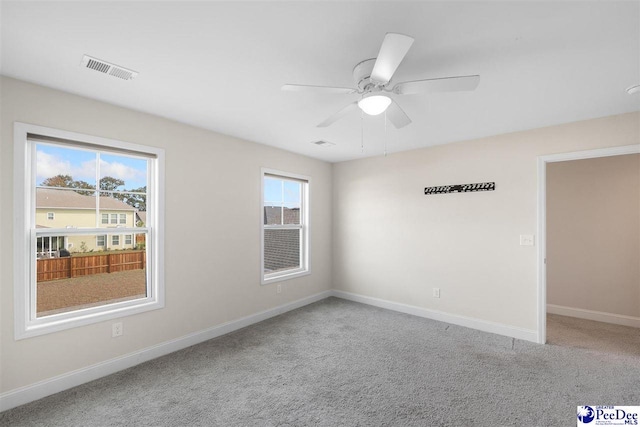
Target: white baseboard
468	322
41	389
598	316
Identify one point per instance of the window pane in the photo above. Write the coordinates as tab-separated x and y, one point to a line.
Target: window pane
83	276
281	249
291	215
64	207
273	215
292	191
122	173
64	167
272	191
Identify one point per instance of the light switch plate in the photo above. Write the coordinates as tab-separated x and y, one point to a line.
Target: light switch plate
527	240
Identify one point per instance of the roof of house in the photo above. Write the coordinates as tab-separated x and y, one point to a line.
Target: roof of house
281	247
69	199
142	216
273	215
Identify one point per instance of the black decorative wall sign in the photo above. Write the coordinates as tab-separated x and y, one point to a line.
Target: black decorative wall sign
461	188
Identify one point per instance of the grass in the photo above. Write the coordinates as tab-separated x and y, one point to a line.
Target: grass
64	295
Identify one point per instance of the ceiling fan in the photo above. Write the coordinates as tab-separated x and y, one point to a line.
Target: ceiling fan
373	81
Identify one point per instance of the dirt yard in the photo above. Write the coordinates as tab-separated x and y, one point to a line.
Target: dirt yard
63	295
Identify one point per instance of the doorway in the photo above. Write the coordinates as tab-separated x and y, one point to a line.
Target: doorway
543	162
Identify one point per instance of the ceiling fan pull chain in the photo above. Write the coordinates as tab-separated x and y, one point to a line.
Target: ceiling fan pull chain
361	131
385	133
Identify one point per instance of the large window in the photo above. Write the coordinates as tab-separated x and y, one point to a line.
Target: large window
71	267
285	226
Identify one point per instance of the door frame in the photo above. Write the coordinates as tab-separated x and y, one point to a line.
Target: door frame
542	218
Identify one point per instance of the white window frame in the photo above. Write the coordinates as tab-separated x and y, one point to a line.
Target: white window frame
104	218
26	323
51	216
102	237
115	240
128	239
122	218
114	219
305	267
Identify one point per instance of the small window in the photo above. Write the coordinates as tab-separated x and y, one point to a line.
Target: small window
285	226
90	177
128	239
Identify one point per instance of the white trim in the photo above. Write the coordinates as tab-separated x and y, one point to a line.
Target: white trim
65	381
542	218
26	324
598	316
467	322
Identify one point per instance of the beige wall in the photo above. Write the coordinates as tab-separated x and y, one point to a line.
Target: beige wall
593	234
393	242
212	253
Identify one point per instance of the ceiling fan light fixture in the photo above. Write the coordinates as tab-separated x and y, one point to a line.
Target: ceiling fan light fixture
374	104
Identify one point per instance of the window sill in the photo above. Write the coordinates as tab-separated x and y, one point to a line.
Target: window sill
279	277
60	323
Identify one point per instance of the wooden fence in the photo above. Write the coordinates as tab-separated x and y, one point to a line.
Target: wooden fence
85	265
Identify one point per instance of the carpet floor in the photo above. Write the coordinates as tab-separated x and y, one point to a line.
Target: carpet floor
590	335
340	363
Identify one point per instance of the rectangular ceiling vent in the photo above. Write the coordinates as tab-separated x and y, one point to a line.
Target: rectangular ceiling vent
108	68
323	143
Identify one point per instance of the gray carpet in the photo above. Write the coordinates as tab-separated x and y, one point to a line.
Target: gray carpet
339	363
590	335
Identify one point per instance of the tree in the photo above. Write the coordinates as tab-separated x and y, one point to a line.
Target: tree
59	181
108	185
67	181
138	201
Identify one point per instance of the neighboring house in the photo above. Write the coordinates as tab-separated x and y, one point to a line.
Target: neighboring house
68	209
141	218
282	247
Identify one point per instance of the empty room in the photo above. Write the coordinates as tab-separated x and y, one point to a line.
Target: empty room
312	213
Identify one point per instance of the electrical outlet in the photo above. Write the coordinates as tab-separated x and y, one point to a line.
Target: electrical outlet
116	329
436	292
279	288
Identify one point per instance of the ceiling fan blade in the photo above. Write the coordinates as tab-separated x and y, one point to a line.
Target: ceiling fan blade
318	89
397	116
393	50
340	114
446	84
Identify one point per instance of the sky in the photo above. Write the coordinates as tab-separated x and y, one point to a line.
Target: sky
52	160
278	192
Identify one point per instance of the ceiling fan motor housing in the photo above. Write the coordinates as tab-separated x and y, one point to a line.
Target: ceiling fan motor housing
362	75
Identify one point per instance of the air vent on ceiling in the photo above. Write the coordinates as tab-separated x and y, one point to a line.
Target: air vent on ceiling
323	143
108	68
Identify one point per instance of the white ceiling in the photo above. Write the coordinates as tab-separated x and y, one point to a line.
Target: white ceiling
220	65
